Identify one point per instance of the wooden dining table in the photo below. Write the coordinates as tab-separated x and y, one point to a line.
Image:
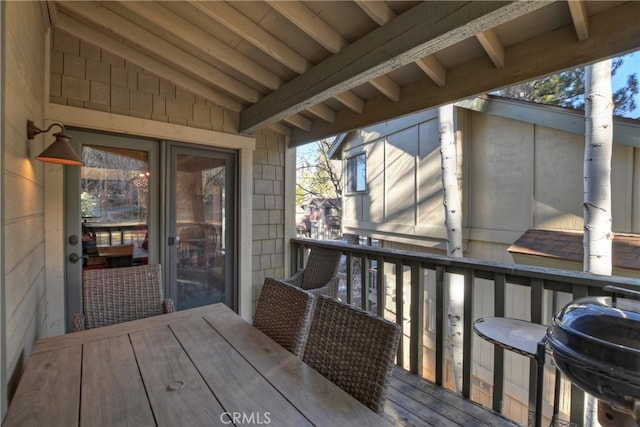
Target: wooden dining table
204	366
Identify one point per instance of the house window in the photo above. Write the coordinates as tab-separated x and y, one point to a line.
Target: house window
357	173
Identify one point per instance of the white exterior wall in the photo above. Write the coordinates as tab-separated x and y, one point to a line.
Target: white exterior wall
515	175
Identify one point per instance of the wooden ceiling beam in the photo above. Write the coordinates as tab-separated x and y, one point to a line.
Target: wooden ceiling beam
387	87
303	18
281	129
381	13
258	37
300	16
377	10
493	46
225	15
613	32
432	68
173	26
351	101
419	32
299	121
323	112
580	19
113	23
93	36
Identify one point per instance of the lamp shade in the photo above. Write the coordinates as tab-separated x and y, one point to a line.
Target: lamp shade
61	152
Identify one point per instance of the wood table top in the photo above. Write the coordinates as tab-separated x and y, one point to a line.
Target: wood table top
204	366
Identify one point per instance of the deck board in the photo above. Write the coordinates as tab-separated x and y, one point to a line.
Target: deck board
414	401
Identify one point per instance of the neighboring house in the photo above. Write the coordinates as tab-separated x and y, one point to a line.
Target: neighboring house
320	218
520	169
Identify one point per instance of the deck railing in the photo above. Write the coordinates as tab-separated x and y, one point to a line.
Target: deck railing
365	267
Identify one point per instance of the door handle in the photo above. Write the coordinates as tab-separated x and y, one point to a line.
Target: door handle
74	257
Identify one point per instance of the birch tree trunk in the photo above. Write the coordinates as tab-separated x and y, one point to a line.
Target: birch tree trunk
597	168
597	181
453	224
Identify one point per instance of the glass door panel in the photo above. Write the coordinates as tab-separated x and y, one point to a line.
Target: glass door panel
112	212
114	205
201	217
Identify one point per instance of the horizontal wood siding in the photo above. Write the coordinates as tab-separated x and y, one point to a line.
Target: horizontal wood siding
23	184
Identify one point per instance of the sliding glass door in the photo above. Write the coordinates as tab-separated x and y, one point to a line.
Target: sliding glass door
138	201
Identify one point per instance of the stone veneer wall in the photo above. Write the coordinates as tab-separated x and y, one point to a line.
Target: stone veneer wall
85	76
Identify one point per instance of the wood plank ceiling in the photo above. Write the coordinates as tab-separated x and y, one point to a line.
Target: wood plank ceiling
312	69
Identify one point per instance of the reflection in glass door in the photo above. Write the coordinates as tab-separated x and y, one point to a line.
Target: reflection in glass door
202	208
111	208
114	205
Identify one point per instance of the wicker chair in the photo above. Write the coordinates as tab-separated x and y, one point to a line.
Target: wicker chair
354	349
319	276
283	313
115	295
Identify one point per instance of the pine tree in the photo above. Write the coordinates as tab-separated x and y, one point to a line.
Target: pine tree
566	89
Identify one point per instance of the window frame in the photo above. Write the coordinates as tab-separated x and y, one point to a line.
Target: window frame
354	173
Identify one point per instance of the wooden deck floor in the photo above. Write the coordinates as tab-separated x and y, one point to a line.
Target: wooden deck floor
413	401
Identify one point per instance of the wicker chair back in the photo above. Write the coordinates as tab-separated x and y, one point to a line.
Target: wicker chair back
115	295
354	349
283	313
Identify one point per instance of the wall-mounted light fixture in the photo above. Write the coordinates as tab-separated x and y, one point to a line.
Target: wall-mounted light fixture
60	151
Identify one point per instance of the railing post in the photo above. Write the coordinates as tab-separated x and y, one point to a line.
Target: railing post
535	389
381	287
364	282
499	286
294	258
348	278
577	395
441	322
417	318
467	331
400	309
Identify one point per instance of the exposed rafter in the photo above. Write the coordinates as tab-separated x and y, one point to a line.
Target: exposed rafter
422	31
387	87
381	13
299	121
309	71
580	19
299	15
351	101
433	69
528	59
178	28
321	32
247	29
323	112
492	45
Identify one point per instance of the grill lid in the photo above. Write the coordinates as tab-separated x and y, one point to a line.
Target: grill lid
596	344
